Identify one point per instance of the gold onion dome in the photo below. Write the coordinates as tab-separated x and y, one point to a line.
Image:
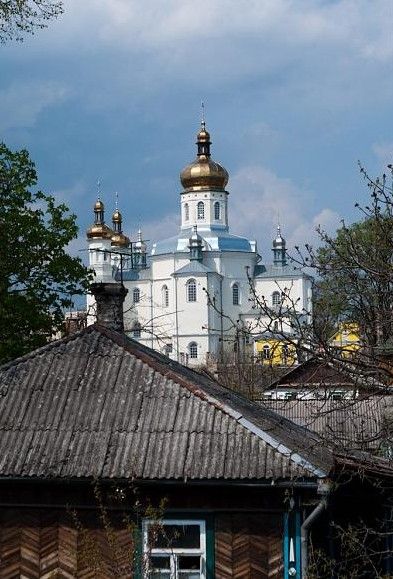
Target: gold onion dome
203	173
118	238
99	229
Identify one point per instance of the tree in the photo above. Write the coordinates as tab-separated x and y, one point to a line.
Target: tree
37	276
18	17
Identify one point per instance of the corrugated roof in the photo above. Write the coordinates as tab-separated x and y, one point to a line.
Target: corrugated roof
98	404
347	424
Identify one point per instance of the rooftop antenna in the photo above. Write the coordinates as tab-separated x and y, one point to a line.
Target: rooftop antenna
98	188
116	201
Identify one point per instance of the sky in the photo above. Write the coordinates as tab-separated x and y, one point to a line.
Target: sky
295	93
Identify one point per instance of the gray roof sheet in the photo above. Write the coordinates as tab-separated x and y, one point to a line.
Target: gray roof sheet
277	271
98	404
357	424
194	267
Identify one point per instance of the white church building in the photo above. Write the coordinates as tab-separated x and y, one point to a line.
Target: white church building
192	296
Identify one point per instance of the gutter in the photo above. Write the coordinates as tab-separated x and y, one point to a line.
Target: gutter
324	488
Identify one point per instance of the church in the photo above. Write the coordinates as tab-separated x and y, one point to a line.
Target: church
197	296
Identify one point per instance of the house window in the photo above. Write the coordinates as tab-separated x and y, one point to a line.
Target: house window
285	353
235	294
174	549
201	210
276	299
165	296
191	290
186	212
266	352
136	295
136	330
193	349
216	210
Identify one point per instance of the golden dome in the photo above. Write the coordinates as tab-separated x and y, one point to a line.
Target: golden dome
203	173
98	206
99	231
116	217
119	240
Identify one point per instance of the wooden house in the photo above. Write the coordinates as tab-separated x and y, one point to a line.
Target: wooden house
116	461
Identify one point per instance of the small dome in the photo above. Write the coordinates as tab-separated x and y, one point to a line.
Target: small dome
203	173
279	242
98	206
116	217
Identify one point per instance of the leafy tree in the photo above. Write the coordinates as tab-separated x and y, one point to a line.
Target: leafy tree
356	275
18	17
37	276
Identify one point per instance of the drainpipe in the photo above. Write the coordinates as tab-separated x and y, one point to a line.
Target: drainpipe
324	487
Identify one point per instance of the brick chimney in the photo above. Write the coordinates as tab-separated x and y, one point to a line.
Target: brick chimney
109	299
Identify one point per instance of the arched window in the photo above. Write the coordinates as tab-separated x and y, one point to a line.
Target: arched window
235	294
266	352
165	296
201	210
136	295
186	212
193	350
136	330
216	210
276	298
275	326
191	290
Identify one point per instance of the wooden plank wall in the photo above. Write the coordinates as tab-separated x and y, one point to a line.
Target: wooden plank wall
249	546
44	544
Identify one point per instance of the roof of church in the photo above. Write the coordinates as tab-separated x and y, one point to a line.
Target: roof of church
277	271
98	404
194	267
214	240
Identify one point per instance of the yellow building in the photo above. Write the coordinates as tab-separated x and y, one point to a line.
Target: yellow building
271	350
347	338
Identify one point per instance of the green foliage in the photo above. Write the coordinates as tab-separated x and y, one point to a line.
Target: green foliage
37	276
18	17
356	273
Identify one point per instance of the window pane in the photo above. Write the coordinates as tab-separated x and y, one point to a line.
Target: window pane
189	562
169	536
160	562
189	575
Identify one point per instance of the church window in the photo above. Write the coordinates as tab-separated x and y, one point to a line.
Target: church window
276	299
235	294
216	210
201	210
136	295
266	352
191	290
275	326
193	349
136	330
165	296
186	212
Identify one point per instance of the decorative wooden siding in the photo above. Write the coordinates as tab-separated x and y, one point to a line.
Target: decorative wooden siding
249	547
45	545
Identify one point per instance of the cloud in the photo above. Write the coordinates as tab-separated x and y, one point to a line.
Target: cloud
384	154
260	200
23	102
